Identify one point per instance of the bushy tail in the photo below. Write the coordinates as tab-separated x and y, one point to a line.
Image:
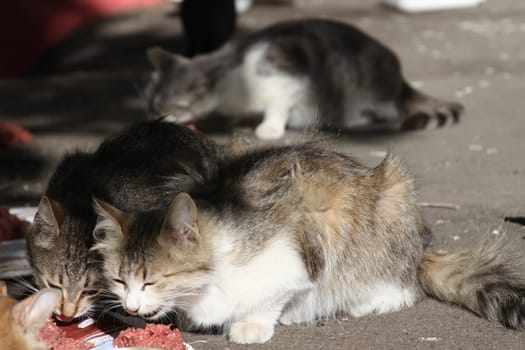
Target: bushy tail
489	280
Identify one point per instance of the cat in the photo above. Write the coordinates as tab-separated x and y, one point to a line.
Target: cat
302	74
140	168
293	234
21	321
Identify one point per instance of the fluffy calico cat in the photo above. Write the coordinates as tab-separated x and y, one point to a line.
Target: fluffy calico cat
298	74
21	321
293	234
141	168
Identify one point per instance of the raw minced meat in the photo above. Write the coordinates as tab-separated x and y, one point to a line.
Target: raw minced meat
56	339
154	335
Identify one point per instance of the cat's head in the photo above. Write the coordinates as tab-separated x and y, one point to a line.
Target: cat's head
153	261
21	321
178	87
58	246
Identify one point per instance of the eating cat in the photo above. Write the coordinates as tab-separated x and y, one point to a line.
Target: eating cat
293	234
21	321
140	168
302	74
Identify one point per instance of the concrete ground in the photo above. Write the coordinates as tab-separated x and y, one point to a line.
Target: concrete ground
91	86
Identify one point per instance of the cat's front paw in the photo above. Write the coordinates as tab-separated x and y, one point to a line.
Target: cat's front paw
290	317
267	131
250	332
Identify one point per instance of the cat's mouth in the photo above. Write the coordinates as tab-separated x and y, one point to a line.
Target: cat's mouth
151	315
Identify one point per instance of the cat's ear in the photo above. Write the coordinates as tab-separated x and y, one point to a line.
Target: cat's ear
180	224
33	312
48	219
111	222
161	59
3	289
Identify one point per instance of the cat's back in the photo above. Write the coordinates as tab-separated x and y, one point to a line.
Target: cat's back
152	160
305	39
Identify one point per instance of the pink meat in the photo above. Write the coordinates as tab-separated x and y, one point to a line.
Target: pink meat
154	335
56	339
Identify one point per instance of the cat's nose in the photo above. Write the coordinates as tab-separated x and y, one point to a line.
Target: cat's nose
132	310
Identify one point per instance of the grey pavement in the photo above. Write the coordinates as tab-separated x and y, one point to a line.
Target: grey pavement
474	55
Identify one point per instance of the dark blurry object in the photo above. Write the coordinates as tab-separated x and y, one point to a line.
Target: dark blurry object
208	24
520	220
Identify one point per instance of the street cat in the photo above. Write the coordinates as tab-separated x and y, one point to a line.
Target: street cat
293	234
21	321
141	168
303	74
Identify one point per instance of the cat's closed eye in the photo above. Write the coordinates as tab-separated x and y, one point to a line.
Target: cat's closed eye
147	285
121	282
89	292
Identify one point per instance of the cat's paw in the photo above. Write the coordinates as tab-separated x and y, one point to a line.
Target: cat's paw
267	131
250	332
288	318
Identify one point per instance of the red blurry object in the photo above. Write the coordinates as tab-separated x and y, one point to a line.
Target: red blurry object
11	227
29	27
12	134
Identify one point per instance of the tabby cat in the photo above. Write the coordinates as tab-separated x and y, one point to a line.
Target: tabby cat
293	234
21	321
142	167
302	74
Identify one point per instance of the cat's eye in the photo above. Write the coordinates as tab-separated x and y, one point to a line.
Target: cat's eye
51	285
89	292
147	285
121	282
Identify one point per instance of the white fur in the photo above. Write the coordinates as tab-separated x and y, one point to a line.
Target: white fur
247	90
382	297
250	295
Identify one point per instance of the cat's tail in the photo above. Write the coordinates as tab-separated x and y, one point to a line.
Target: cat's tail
489	280
421	111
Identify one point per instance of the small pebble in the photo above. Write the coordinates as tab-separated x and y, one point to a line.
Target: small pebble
429	339
379	154
475	148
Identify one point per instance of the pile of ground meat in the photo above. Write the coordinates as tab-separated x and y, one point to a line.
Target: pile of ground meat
11	227
154	335
56	339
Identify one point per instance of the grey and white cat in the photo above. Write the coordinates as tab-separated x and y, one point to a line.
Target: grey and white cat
141	167
300	74
293	234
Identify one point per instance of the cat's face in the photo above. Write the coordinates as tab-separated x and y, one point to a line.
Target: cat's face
61	259
154	264
20	322
177	88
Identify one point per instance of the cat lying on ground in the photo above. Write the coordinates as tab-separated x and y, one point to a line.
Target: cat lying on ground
300	74
292	234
